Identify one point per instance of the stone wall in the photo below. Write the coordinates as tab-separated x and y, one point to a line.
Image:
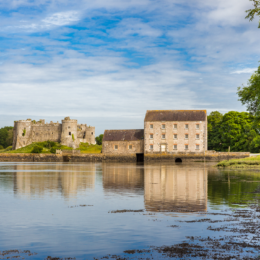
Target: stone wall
28	131
123	147
157	140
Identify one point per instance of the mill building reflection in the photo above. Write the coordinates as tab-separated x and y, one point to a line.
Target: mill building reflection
67	180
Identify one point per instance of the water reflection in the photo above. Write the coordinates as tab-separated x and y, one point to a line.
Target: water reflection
170	188
123	179
68	180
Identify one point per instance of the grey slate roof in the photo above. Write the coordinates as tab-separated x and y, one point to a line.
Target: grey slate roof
124	135
175	115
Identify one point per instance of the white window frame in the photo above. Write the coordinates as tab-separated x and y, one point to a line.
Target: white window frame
164	136
186	126
197	126
174	126
164	126
151	147
198	136
116	147
129	147
187	136
186	148
197	146
151	126
175	138
151	136
174	147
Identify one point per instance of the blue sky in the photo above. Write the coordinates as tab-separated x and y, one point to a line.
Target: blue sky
106	62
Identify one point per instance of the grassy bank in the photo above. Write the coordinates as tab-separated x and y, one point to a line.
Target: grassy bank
249	162
51	147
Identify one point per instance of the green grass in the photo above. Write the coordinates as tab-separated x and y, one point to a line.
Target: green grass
249	162
84	148
46	149
89	148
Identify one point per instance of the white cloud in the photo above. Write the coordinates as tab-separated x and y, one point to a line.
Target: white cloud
246	70
62	18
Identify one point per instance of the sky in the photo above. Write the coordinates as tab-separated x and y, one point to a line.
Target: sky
106	62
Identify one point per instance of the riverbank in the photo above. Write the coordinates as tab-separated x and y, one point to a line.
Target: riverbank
250	162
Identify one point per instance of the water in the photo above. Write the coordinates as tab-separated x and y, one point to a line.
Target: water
73	209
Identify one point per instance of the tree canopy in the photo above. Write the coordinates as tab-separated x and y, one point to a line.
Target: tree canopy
99	139
250	95
6	136
255	11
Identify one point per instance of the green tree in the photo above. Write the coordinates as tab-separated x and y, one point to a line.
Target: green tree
250	95
99	139
6	136
255	11
214	138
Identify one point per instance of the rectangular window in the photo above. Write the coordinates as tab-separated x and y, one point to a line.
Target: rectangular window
151	146
197	146
186	136
175	136
186	126
163	136
69	133
175	126
130	147
197	136
163	126
92	133
116	147
151	136
186	147
151	126
197	126
175	147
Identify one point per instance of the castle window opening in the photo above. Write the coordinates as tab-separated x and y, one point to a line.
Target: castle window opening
69	133
186	136
175	126
151	126
130	147
175	147
163	126
68	127
163	136
92	133
151	136
116	147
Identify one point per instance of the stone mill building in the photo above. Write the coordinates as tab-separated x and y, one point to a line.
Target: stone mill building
165	131
68	132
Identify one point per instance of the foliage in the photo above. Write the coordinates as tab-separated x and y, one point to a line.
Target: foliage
90	148
37	149
7	149
241	163
255	11
45	147
1	147
73	138
6	136
24	132
235	129
250	95
99	139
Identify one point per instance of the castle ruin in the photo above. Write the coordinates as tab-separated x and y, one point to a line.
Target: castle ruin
68	133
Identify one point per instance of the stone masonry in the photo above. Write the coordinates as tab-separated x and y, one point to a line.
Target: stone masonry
68	133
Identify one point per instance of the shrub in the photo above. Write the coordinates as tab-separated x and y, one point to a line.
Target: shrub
37	149
1	147
73	138
53	150
49	144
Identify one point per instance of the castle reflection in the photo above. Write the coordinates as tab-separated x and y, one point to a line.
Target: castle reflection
66	179
169	188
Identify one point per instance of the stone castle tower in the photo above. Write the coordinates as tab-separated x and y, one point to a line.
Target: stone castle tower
68	133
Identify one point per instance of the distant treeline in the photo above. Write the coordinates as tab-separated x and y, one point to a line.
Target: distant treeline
239	130
6	136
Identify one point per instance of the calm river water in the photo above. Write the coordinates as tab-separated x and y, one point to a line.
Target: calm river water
127	211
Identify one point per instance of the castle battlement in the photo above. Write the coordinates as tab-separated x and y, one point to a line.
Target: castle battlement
68	132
